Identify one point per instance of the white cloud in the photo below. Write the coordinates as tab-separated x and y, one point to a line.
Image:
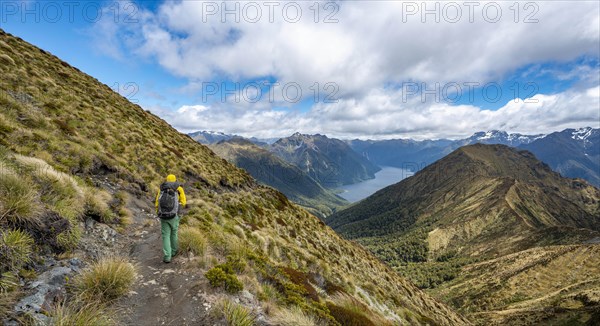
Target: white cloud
373	45
370	45
385	114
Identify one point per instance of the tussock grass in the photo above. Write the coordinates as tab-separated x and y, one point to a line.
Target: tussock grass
16	248
19	202
293	316
7	302
78	314
237	315
9	282
193	240
97	207
69	239
57	189
6	60
268	292
105	280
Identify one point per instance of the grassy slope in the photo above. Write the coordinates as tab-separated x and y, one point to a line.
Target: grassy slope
480	202
273	171
54	112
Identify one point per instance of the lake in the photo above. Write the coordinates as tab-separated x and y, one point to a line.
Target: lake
387	176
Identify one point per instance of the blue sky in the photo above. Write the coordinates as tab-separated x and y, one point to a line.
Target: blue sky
202	71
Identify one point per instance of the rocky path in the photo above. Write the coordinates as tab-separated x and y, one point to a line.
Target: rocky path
163	294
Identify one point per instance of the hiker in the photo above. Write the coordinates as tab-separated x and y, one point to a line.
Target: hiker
169	197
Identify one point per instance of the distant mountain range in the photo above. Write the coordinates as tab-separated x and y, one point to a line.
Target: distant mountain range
572	152
269	169
488	205
329	161
213	137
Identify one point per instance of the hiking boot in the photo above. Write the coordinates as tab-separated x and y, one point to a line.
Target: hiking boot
166	260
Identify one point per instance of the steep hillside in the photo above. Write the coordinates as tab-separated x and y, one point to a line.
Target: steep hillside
269	169
329	161
574	153
58	123
480	202
557	285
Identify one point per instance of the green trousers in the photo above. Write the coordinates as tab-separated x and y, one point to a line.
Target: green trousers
168	230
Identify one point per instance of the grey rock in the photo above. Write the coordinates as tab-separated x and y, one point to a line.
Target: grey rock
48	289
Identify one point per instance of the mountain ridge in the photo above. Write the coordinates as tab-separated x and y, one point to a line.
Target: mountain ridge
479	203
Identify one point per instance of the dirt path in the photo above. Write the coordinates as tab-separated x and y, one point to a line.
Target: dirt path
164	294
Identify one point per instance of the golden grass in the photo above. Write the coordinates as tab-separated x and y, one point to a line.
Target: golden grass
237	315
19	203
192	240
16	248
105	280
7	302
79	314
96	205
293	316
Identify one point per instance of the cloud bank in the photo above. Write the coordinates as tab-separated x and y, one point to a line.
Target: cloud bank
366	48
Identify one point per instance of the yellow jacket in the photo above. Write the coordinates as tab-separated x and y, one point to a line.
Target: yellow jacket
182	200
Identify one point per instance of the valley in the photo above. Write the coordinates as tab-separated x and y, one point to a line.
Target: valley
383	178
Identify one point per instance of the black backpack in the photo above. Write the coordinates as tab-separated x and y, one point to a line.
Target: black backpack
168	200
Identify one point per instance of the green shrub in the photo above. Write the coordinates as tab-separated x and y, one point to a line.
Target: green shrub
237	315
301	279
193	240
217	277
18	199
105	280
16	248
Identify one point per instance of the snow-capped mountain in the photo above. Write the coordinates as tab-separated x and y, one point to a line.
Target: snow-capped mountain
499	137
213	137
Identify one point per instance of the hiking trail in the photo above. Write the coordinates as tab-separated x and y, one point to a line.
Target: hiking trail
163	294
